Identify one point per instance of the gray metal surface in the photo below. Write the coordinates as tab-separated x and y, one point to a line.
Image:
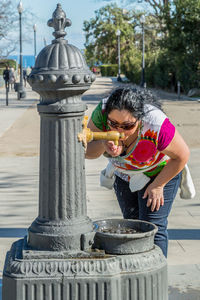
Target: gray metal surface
62	197
124	243
60	76
140	276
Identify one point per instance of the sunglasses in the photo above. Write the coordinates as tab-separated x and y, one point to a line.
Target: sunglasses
116	125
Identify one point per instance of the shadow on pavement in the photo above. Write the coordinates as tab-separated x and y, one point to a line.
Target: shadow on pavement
184	234
174	234
18	106
190	294
13	180
0	289
13	232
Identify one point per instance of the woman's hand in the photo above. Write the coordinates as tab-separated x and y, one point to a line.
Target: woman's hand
112	149
178	152
155	196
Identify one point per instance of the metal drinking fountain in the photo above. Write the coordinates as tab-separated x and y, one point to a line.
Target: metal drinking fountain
59	259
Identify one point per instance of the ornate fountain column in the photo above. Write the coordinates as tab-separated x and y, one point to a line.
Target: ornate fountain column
60	76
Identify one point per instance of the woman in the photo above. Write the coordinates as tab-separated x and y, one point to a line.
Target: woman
152	147
12	77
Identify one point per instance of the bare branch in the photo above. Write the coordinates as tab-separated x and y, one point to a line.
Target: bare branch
9	21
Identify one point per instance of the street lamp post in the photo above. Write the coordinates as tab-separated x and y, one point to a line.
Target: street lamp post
34	30
21	92
119	61
143	83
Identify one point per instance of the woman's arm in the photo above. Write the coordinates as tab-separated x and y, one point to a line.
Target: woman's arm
178	153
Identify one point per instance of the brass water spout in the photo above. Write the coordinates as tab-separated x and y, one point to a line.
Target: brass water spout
86	135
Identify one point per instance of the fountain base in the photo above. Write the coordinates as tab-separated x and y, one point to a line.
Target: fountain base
38	275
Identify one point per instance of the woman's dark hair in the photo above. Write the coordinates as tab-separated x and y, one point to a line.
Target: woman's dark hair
131	99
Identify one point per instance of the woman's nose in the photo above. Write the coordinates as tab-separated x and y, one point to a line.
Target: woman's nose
119	129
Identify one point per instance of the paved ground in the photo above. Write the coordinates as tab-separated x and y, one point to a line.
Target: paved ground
19	167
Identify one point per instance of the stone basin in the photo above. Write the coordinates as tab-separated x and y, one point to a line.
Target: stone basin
124	236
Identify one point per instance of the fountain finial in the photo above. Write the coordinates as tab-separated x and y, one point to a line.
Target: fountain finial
59	22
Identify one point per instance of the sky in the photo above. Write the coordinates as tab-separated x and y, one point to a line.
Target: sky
76	10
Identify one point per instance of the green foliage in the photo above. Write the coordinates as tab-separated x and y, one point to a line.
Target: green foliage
172	43
109	70
177	56
132	65
7	62
182	42
101	40
159	71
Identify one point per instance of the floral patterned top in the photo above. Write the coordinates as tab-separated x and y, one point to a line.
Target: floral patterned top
155	134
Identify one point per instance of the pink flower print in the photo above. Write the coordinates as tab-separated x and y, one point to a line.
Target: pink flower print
145	151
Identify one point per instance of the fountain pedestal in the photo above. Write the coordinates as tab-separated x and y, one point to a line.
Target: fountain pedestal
55	261
34	275
62	216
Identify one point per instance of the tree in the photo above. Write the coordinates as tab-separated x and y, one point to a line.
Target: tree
101	39
176	55
154	7
182	42
9	21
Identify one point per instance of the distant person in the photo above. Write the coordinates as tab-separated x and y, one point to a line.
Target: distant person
25	76
28	71
6	77
94	70
12	77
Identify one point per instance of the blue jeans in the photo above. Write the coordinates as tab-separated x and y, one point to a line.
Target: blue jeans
133	206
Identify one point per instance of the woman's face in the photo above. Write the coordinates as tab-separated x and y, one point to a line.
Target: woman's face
122	121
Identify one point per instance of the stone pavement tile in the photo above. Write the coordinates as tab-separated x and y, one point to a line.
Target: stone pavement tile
15	109
101	202
96	213
181	218
7	118
184	282
194	210
18	191
18	199
99	89
186	208
183	252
